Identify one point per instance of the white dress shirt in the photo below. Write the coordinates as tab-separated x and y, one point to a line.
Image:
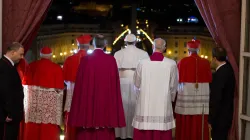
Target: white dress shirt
220	66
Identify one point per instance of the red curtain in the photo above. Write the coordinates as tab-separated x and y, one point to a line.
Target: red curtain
21	22
22	19
222	18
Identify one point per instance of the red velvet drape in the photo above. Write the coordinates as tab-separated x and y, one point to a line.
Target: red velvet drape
21	22
22	19
222	18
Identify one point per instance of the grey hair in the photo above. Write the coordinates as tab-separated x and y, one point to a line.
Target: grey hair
83	46
14	46
159	44
192	50
99	41
48	56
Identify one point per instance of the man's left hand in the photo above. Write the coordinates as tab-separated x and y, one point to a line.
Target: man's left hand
8	119
209	126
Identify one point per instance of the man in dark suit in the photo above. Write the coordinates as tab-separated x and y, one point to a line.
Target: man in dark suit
11	93
221	104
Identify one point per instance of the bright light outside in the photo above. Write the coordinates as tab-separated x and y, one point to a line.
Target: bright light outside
59	17
89	51
61	137
129	31
107	52
138	32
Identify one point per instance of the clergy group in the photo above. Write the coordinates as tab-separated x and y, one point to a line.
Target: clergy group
130	95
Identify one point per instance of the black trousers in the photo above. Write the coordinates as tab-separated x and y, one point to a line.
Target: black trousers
220	133
9	131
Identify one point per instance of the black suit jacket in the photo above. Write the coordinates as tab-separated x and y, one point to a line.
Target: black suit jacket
11	92
221	104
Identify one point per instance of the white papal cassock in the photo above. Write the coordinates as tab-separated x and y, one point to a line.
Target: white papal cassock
127	59
157	82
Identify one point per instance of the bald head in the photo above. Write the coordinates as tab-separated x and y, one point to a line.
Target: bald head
159	44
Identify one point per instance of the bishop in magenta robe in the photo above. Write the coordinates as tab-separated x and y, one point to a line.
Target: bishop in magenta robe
96	107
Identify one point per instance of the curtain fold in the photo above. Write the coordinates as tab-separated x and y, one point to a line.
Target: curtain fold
22	19
21	22
222	18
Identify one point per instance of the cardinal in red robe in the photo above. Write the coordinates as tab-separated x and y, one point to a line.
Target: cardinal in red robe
43	101
70	68
192	105
96	107
22	67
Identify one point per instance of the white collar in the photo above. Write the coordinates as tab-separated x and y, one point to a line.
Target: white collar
220	66
98	48
10	60
130	46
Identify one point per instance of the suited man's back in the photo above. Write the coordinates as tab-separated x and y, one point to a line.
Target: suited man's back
227	98
222	101
11	100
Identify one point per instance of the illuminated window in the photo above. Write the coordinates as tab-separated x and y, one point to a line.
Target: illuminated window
185	44
176	43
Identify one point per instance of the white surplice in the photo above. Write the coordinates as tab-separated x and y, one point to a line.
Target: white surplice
127	59
157	82
69	95
43	105
191	100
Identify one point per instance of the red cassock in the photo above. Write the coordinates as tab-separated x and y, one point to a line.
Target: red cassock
193	69
96	107
187	70
43	100
70	68
22	67
71	65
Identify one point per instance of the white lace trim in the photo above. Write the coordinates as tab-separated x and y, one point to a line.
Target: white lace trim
154	122
43	105
154	119
69	95
190	101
